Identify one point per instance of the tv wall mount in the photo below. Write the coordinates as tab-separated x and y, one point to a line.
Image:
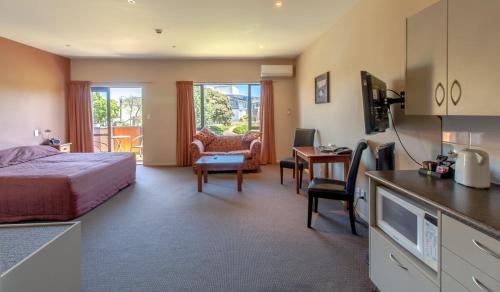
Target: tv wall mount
400	99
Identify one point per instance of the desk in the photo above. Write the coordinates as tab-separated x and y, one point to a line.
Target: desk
312	155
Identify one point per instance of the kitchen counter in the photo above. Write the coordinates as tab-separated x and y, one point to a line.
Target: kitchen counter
479	209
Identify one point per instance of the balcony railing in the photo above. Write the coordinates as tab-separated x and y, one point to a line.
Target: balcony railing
122	139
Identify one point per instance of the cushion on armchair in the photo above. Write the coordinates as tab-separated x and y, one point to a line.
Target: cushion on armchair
206	136
248	137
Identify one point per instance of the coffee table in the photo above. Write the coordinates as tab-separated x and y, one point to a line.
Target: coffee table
219	162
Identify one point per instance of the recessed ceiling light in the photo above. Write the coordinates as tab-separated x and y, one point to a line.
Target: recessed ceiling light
279	3
131	2
261	47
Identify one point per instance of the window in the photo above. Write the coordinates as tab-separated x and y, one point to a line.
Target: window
227	109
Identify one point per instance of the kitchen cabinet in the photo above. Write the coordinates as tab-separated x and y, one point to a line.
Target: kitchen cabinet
426	61
452	59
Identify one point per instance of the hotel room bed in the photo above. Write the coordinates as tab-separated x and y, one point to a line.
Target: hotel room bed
41	183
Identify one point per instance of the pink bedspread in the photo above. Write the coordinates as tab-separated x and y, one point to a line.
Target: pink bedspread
62	186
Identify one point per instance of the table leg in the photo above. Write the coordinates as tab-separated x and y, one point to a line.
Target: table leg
205	175
327	170
297	182
200	187
240	179
346	170
346	173
311	170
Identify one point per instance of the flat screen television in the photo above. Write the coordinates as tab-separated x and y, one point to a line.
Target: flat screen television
374	103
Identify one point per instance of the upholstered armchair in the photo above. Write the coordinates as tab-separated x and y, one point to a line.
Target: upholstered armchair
229	145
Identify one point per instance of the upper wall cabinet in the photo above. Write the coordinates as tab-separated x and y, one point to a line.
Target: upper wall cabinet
426	54
453	59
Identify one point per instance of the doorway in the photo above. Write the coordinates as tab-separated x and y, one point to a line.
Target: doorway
117	120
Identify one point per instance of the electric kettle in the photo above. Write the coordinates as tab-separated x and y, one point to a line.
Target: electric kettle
472	168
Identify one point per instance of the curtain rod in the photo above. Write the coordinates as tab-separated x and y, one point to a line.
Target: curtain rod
223	83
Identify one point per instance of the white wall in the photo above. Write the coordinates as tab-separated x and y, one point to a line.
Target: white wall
474	132
372	37
158	77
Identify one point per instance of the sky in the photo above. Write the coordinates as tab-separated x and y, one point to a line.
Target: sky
116	92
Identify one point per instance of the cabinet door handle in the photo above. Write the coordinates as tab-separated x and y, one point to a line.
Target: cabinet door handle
439	86
485	249
480	285
394	260
456	101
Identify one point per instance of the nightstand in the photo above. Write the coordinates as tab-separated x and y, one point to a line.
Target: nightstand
64	147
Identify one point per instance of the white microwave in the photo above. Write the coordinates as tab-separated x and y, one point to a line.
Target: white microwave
409	224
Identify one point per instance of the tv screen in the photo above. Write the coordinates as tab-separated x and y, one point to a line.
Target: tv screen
374	103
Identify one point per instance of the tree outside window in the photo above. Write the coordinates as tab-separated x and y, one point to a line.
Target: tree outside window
225	108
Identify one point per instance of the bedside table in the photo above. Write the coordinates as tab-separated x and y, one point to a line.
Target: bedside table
64	147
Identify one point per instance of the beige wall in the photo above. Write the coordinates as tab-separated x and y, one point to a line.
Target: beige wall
158	77
33	87
371	36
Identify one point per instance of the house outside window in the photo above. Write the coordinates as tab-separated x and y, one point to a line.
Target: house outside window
227	109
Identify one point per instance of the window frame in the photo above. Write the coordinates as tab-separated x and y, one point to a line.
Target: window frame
201	85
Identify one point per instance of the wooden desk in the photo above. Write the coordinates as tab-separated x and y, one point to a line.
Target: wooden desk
312	155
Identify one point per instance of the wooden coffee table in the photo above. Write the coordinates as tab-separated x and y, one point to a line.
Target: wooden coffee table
219	162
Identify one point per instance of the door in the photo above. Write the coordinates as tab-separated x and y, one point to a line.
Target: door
426	61
117	120
474	57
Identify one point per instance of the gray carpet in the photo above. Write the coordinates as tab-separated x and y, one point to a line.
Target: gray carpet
161	235
17	243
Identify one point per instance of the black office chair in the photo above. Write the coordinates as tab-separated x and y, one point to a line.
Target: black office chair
335	189
303	137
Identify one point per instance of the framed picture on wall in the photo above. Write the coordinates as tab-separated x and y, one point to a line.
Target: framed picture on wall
322	88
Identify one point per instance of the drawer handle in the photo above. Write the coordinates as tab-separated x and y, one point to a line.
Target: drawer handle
394	260
485	249
480	285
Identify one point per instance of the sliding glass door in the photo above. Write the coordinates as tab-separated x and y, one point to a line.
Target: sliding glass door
117	119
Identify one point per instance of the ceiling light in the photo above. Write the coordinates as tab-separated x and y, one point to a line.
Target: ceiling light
279	3
131	2
261	47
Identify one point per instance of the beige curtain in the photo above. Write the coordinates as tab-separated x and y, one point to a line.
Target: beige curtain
80	116
186	126
268	154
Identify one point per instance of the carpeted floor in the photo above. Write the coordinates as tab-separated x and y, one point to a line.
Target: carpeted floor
161	235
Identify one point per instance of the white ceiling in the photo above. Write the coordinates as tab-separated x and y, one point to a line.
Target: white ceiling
198	28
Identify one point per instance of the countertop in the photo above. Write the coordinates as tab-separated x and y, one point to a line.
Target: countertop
479	209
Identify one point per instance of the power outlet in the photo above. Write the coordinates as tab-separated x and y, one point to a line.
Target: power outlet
362	195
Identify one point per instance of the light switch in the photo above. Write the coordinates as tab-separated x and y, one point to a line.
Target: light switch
36	133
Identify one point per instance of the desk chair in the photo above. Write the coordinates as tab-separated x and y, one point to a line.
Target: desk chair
303	137
336	189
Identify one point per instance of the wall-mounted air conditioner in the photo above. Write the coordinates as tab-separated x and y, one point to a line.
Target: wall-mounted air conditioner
268	71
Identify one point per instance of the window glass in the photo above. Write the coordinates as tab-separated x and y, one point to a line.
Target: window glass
227	109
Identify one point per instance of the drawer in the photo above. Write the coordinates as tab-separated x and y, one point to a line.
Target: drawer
448	284
468	275
391	270
473	246
64	148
